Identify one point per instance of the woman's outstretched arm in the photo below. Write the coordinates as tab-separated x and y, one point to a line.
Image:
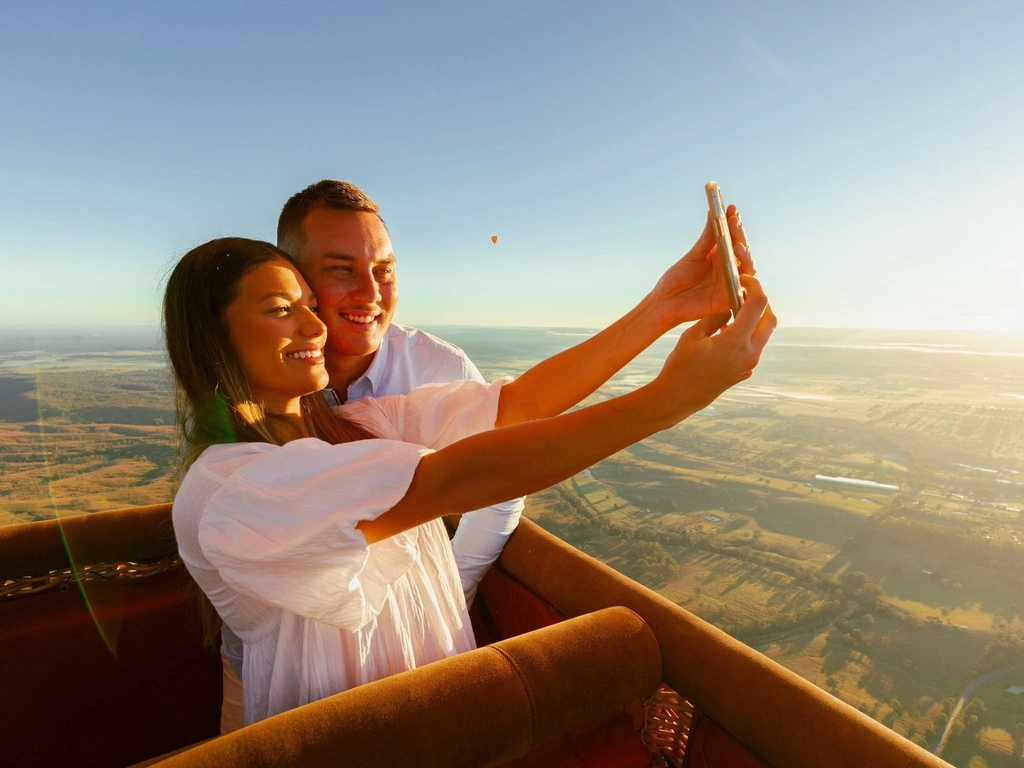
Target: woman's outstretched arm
692	288
505	463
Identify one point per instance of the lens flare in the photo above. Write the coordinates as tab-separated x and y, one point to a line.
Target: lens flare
44	452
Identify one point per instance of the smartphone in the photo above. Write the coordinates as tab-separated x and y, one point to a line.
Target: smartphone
725	251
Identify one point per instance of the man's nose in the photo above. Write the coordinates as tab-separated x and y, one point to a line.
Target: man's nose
366	289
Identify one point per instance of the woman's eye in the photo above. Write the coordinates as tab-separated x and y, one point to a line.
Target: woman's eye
282	310
315	310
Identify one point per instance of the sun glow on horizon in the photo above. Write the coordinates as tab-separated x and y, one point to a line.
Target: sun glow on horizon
995	322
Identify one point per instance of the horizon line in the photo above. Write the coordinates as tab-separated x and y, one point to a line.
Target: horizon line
156	325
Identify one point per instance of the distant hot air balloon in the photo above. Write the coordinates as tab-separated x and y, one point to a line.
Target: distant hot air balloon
494	238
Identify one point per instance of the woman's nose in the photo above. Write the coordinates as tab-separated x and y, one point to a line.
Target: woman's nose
312	325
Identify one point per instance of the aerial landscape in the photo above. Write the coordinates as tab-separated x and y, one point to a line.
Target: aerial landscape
855	511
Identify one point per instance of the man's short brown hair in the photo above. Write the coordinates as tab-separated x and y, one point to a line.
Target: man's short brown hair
329	193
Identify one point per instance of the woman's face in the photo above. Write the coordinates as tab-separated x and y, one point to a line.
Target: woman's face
277	337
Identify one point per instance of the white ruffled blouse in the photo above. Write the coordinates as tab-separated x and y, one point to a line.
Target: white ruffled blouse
268	533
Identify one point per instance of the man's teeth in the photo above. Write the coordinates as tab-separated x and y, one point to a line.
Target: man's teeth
305	353
363	320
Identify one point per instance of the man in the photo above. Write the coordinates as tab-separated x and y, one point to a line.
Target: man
338	240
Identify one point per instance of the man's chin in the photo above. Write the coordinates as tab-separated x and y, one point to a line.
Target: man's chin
360	349
350	339
351	353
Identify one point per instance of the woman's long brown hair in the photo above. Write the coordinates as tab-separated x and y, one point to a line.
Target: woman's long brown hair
213	399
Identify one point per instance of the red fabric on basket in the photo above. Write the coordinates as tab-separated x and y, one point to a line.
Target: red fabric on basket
711	747
153	690
610	742
504	608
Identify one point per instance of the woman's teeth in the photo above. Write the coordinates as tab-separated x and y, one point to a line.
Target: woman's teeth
305	353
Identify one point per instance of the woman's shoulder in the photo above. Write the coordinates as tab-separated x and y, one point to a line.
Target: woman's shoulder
228	458
216	464
297	462
216	467
226	453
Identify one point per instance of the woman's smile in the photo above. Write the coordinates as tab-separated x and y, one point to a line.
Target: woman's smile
314	356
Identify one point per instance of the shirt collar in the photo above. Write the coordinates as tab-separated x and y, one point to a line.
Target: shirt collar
375	372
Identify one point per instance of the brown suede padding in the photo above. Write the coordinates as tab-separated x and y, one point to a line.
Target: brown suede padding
778	715
481	708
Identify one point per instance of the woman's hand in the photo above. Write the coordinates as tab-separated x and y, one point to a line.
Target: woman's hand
694	286
706	362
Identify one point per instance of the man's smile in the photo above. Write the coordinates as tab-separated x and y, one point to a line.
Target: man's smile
362	320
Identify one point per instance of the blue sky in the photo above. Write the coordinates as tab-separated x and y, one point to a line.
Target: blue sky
875	149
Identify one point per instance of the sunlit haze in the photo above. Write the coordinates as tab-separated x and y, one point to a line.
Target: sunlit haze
874	149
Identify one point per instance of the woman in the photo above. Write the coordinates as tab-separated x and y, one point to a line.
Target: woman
316	534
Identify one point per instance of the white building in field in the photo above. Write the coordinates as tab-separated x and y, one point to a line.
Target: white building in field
863	484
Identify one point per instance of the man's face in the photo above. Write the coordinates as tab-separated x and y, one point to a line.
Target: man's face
348	261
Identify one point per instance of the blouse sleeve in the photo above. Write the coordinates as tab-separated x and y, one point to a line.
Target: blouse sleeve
434	415
282	527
